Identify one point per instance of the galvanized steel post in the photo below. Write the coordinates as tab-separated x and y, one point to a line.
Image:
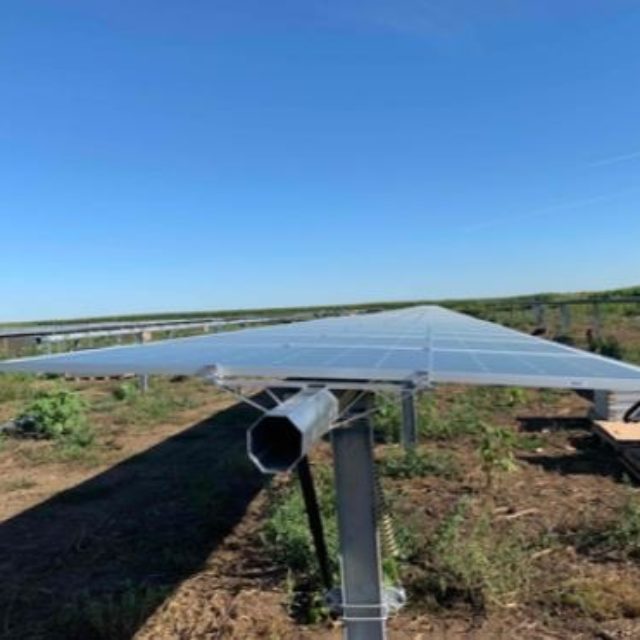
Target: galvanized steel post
596	321
143	380
539	313
565	320
363	608
409	418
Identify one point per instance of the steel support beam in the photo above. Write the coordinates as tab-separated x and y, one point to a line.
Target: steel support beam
409	418
362	603
315	521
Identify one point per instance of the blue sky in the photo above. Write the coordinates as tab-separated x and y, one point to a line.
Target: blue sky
162	155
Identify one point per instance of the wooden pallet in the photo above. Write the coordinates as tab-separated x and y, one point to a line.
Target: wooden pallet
624	438
619	435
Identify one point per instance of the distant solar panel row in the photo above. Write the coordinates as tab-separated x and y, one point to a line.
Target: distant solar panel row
419	343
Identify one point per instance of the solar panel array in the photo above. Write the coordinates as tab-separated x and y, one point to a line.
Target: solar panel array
422	344
82	327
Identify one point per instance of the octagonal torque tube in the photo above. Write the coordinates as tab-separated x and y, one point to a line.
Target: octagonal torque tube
285	434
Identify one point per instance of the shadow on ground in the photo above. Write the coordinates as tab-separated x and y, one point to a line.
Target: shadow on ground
536	424
96	560
588	455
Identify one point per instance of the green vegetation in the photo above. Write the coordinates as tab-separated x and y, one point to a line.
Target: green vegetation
469	560
387	419
59	414
419	463
461	417
496	452
529	442
129	406
601	598
127	391
288	541
621	535
14	387
286	533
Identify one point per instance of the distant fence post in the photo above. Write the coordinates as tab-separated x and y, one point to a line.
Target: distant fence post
565	320
596	321
409	418
143	380
539	315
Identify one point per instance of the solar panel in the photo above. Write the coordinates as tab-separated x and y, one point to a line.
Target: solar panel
424	345
85	327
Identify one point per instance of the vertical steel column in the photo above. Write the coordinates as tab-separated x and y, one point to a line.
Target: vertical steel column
363	609
596	321
539	315
409	418
143	380
565	320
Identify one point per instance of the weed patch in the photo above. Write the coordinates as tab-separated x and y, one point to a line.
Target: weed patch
14	387
160	402
387	420
419	463
496	452
461	418
288	541
469	561
602	598
60	415
621	536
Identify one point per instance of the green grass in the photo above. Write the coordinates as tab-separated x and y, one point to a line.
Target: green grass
419	463
621	535
128	406
529	442
496	452
462	416
15	387
287	541
286	533
387	419
469	561
600	598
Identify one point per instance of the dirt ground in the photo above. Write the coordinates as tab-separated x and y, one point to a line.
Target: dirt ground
161	540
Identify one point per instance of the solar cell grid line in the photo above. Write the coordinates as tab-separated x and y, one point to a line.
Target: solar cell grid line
392	347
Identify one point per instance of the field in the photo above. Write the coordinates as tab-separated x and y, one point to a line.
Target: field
511	520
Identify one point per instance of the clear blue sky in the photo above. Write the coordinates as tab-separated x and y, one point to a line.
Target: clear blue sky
192	154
